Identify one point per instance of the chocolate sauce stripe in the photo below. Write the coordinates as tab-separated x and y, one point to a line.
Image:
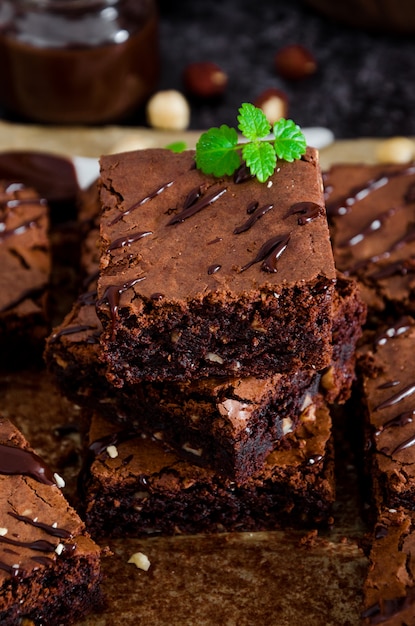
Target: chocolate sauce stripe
409	237
71	330
408	443
126	240
16	202
270	252
54	531
308	211
112	296
372	228
401	326
254	217
39	545
397	397
343	205
20	229
17	461
398	421
201	203
139	203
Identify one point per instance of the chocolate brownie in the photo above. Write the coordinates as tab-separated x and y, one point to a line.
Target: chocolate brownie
229	423
387	381
53	177
25	259
49	565
371	211
203	277
136	485
389	588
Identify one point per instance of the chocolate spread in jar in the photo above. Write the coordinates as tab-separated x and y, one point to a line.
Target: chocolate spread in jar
77	61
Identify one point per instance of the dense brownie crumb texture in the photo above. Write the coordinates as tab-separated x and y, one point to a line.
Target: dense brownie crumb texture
209	371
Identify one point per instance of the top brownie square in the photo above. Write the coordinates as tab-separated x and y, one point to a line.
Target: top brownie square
202	276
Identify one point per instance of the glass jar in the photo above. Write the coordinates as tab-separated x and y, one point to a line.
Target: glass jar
77	61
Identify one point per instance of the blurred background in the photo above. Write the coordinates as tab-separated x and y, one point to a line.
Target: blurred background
350	65
364	82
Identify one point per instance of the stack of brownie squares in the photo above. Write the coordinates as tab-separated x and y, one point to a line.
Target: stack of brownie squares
50	568
371	209
213	336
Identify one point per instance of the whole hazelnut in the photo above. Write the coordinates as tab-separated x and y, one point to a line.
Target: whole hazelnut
274	104
295	62
204	79
395	150
168	110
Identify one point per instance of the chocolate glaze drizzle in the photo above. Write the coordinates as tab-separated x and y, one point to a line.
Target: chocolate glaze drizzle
112	296
54	531
308	211
20	229
128	239
269	253
24	462
255	215
12	203
99	446
71	330
397	268
196	206
397	397
139	203
12	571
40	545
389	384
344	204
401	326
369	229
408	443
242	174
399	420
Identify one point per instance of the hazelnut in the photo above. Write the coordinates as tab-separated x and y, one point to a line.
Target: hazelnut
204	79
295	62
395	150
140	560
274	104
168	110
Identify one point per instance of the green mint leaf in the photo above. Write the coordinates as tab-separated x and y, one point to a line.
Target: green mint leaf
177	146
290	142
261	159
253	123
216	151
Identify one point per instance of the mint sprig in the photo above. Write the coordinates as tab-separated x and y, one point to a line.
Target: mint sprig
219	153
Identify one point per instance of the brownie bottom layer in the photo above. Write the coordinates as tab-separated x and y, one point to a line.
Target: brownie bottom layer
134	485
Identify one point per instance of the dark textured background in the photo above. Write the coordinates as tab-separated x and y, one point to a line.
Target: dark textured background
364	86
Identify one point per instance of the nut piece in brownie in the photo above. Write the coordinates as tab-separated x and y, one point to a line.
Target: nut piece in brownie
371	211
202	276
389	588
135	485
229	423
25	260
387	381
49	565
